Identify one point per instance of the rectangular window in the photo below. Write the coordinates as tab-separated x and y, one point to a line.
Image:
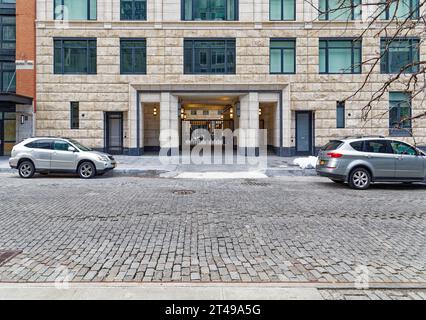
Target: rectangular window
133	10
340	115
133	56
399	113
219	10
400	9
75	115
209	56
8	77
340	10
399	55
339	56
282	56
75	9
75	56
7	32
280	10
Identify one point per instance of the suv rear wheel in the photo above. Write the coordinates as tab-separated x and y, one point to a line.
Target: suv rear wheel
86	170
26	169
360	179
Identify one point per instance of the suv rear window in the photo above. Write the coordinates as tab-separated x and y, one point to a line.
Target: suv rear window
332	145
40	144
358	145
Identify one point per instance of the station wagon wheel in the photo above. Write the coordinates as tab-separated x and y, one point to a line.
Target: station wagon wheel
26	169
360	179
86	170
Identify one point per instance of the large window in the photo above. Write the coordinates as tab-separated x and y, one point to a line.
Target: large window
75	56
401	9
282	10
133	56
215	56
133	9
399	113
340	10
399	55
283	56
339	56
7	32
75	9
209	9
8	77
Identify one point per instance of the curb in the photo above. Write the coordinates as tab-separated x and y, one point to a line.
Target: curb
152	173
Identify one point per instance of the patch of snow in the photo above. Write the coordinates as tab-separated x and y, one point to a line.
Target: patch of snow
306	163
222	175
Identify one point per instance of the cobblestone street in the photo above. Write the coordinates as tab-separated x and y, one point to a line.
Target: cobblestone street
170	230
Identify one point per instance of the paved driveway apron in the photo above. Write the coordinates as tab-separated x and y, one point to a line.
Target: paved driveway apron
269	230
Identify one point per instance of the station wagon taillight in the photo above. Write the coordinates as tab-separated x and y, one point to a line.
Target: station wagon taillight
334	155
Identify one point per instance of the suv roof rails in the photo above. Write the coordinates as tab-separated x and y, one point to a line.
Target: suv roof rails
362	137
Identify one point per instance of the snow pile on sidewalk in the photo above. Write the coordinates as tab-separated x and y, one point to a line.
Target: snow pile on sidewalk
306	163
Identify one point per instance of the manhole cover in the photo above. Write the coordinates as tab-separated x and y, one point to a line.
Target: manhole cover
183	192
6	255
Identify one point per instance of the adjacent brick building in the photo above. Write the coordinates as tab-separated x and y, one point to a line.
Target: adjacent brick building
123	76
17	68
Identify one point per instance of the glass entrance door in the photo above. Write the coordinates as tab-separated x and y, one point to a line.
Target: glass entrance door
7	132
114	132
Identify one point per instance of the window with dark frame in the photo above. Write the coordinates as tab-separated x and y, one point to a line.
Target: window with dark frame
75	115
133	56
75	9
7	77
400	113
282	10
209	56
282	56
209	10
340	56
340	115
401	9
7	32
340	10
399	55
133	10
75	56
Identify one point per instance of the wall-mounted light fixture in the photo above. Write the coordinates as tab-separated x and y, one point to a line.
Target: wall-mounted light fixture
155	111
231	113
260	111
182	113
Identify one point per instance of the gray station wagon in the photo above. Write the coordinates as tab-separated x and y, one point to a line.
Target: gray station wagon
364	160
46	155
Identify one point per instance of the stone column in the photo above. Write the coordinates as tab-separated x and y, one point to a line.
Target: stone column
169	124
248	141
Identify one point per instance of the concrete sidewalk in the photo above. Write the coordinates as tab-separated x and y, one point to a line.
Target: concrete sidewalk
102	291
151	166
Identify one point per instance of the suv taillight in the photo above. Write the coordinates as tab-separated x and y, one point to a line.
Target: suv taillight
334	155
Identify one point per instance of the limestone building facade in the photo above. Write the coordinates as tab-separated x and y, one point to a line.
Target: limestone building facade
124	75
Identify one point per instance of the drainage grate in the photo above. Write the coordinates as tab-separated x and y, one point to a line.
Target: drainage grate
183	192
256	183
6	255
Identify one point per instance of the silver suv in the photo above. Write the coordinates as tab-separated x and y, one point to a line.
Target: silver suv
363	160
48	155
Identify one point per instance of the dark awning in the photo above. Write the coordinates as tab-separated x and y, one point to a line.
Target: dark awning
15	98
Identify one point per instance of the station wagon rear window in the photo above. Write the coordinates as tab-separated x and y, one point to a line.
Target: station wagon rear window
358	145
332	145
